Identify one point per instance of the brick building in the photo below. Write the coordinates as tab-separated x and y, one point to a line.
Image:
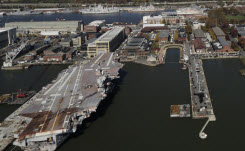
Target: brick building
163	36
94	26
199	45
223	46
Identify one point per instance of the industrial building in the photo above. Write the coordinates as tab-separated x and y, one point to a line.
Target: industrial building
7	36
62	27
94	26
53	54
108	42
74	40
136	47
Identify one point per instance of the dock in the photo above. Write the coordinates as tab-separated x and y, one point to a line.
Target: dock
180	110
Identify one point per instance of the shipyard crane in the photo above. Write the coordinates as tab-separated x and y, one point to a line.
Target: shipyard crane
11	55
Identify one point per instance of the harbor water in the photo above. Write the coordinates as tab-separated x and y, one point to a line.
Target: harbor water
137	116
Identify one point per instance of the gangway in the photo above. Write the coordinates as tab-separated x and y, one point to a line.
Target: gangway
10	56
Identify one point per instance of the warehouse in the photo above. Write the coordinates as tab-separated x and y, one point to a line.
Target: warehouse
11	35
3	39
108	42
38	26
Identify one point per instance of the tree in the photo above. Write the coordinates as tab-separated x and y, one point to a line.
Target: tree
176	36
211	22
146	36
212	34
225	24
188	29
234	32
229	2
220	3
235	46
155	45
156	38
164	21
204	28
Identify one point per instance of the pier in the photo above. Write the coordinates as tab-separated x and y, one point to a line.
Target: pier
200	97
201	104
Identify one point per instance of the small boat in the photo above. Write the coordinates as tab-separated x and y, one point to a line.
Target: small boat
49	12
184	67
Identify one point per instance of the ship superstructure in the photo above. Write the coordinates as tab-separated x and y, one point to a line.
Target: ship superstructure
146	8
99	9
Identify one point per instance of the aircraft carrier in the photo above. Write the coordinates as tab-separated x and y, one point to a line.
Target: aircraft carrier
54	113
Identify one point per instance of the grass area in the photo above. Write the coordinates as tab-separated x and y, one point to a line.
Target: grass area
238	17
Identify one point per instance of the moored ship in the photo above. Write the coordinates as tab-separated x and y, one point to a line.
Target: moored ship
99	9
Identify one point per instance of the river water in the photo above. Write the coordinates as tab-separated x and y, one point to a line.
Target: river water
87	18
137	117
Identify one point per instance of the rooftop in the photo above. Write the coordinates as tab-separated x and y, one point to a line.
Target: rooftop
137	42
198	33
6	29
218	31
109	35
199	44
164	34
97	23
149	29
223	41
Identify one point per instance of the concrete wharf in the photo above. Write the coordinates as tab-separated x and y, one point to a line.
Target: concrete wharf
200	98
